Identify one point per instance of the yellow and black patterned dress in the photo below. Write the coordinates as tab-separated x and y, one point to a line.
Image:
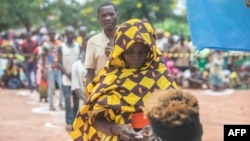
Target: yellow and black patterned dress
120	91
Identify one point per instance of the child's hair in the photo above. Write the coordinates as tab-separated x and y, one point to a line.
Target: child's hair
174	115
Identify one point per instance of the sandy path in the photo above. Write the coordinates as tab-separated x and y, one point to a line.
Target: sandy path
24	118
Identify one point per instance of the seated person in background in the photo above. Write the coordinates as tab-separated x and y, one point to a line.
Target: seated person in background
194	79
174	115
234	78
11	77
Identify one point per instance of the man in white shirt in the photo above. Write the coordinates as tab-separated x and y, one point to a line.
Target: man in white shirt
78	77
69	52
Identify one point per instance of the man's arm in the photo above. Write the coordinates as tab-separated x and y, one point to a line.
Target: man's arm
90	75
90	63
61	64
79	93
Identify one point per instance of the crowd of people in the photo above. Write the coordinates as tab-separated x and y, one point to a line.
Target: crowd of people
43	63
205	69
113	73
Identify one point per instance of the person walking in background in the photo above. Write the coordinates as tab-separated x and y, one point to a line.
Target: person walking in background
28	51
117	93
51	68
174	116
95	56
69	52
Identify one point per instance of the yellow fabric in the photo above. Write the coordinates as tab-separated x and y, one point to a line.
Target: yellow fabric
120	91
234	78
79	40
12	71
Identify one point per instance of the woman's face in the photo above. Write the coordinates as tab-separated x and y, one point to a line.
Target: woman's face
136	55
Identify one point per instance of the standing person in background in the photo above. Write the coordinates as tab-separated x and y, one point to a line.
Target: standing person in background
40	79
79	73
78	76
51	67
42	32
170	43
82	35
133	71
182	62
96	57
216	75
69	52
28	51
174	116
161	40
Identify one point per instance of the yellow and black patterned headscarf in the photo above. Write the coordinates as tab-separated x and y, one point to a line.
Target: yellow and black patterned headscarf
120	91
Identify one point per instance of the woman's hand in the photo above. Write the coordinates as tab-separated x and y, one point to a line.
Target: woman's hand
126	133
108	50
148	134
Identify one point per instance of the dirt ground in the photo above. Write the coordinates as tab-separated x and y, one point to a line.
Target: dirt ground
24	118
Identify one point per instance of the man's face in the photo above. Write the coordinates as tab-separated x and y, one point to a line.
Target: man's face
82	33
52	35
70	35
108	17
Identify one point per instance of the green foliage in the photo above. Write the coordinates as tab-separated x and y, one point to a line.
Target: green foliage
173	26
60	13
153	10
89	15
64	13
16	13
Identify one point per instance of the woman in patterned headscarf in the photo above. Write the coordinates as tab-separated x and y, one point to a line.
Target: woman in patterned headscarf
118	93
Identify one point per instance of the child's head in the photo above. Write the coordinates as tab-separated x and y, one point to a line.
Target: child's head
174	115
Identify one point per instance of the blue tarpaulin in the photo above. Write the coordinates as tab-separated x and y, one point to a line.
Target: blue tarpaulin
219	24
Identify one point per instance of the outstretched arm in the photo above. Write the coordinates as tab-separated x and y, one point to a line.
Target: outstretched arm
125	132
